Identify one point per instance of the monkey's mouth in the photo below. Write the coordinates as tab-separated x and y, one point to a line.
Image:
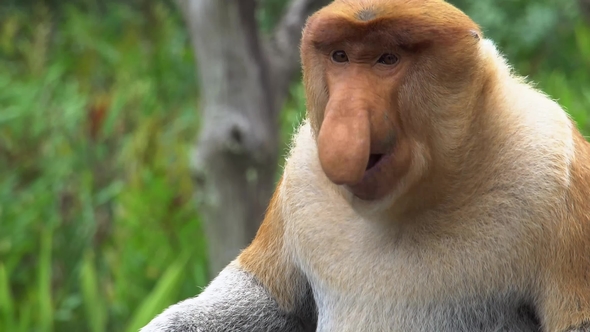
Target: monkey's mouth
374	159
377	171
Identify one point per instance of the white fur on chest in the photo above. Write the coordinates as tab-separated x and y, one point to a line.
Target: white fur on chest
365	278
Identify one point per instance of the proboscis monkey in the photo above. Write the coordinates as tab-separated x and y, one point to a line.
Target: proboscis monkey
429	189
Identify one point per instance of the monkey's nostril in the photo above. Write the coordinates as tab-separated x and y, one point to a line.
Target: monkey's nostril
374	158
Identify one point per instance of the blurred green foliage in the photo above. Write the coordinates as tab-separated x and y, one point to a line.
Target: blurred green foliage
97	115
98	111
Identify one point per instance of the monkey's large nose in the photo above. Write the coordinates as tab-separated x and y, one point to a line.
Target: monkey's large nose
344	144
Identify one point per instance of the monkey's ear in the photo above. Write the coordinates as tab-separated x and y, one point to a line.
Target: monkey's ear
475	34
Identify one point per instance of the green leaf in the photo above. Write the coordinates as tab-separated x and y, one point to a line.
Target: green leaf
161	295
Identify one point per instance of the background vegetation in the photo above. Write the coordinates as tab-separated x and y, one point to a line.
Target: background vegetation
98	110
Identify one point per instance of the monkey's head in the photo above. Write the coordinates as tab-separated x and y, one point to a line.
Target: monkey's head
390	86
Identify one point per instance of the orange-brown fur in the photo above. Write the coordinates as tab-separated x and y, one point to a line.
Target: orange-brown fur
268	259
565	294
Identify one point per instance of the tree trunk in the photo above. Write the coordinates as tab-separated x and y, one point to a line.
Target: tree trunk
585	7
235	157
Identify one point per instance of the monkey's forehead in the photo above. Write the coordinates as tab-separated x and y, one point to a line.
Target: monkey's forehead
405	20
365	10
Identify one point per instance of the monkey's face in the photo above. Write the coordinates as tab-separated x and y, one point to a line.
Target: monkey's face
371	77
361	142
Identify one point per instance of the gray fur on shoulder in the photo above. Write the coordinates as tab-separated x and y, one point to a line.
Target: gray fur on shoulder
233	302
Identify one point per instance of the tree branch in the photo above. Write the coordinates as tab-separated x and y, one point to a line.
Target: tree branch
282	49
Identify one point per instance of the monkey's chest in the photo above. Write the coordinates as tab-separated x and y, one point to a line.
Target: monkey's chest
390	290
367	279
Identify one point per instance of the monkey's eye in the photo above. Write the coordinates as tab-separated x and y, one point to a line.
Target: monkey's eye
339	56
388	59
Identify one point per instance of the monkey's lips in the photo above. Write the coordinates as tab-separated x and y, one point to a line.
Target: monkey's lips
373	185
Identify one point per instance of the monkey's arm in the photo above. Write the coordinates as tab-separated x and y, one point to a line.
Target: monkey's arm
234	301
260	291
564	303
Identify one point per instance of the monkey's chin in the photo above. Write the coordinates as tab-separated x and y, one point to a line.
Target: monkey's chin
375	182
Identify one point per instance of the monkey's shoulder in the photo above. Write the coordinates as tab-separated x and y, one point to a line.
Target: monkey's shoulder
234	301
